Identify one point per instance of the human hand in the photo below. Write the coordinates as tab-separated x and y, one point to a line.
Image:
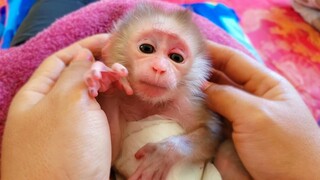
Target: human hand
274	133
54	130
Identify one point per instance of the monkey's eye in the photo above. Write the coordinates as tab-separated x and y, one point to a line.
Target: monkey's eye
146	48
176	57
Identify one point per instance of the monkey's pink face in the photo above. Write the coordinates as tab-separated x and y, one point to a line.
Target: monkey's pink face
160	60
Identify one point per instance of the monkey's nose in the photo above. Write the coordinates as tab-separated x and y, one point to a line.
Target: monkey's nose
159	70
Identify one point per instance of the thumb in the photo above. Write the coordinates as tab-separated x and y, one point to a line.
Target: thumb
228	101
72	78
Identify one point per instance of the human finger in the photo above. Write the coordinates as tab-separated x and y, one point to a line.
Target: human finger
48	72
52	66
219	77
226	100
71	78
93	43
242	69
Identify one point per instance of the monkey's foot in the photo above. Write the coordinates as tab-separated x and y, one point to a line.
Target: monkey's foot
101	78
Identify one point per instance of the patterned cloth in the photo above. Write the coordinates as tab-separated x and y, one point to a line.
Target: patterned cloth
286	43
3	10
12	13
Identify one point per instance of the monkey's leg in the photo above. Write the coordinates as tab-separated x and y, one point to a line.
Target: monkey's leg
101	78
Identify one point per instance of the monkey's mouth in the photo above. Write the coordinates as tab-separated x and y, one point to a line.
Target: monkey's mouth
153	89
154	85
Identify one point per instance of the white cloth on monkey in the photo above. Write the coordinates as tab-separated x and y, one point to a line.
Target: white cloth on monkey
153	129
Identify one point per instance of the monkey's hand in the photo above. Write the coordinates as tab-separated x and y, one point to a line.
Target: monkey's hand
156	159
101	78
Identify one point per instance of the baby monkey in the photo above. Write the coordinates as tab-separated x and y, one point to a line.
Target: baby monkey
156	57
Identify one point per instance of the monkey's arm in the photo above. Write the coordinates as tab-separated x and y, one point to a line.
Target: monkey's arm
156	159
202	143
197	145
102	78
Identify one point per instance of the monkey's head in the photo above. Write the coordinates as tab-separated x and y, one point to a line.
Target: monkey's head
163	51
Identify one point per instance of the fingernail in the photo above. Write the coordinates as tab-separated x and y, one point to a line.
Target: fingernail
90	57
206	85
84	53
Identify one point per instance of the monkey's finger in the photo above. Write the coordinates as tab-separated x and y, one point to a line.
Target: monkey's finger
227	100
120	69
93	84
126	86
159	169
92	87
242	69
97	69
103	87
95	80
165	172
139	173
155	171
136	175
157	175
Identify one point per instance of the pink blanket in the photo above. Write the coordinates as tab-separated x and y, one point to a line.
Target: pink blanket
18	63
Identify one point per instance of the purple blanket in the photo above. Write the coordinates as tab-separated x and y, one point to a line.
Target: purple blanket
18	63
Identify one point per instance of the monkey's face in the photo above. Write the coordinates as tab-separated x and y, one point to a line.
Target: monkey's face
159	60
